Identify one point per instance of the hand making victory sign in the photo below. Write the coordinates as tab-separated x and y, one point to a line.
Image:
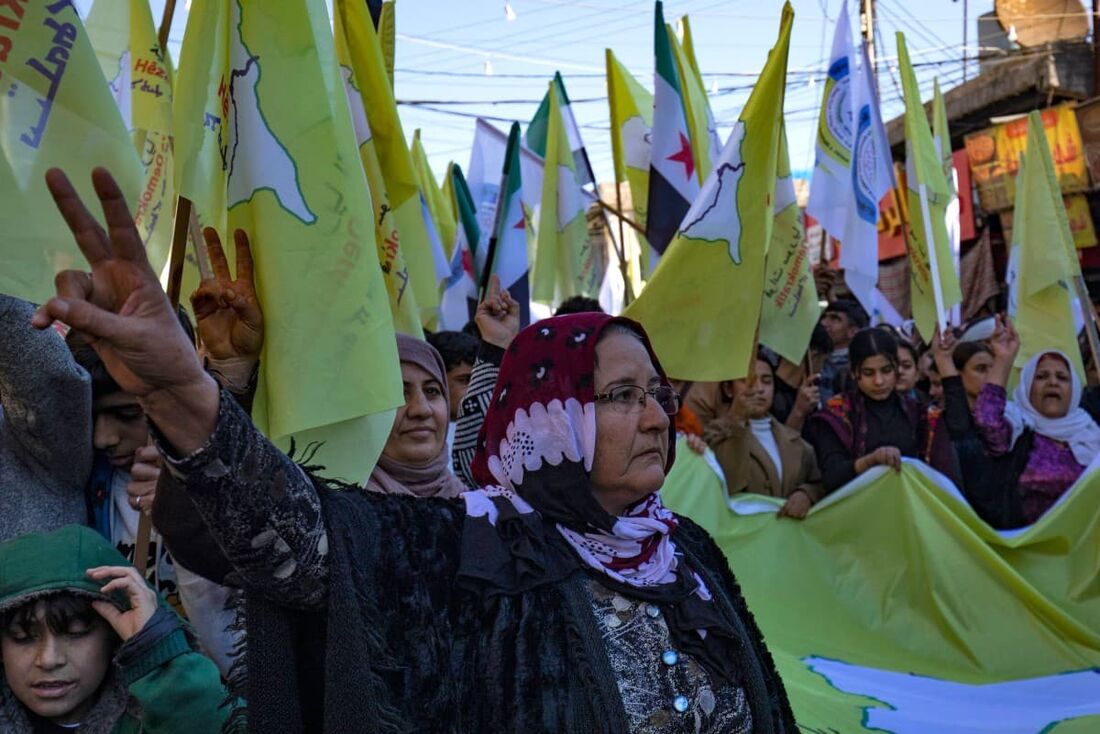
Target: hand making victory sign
227	311
125	315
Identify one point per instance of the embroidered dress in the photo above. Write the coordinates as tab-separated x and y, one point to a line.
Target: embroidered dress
663	689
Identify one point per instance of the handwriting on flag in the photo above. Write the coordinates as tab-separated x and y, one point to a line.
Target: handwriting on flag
57	56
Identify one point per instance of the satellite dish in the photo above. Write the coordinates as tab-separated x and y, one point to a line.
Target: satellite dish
1039	22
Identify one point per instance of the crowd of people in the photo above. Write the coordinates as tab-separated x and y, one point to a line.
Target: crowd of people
508	564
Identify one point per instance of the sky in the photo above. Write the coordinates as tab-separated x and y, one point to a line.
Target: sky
445	49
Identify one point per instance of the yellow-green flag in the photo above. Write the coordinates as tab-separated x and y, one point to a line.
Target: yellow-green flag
941	135
264	143
57	111
1043	261
929	196
631	107
442	213
565	264
790	309
689	47
387	34
703	304
368	63
402	300
125	41
448	190
705	146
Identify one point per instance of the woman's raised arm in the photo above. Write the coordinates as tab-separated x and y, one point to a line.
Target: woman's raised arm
262	509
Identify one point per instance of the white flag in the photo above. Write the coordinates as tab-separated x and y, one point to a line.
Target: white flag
486	165
831	186
871	177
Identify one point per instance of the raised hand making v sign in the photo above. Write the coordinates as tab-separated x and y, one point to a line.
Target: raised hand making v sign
123	312
227	311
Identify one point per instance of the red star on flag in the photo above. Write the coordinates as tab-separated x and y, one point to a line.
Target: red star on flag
684	156
468	262
521	224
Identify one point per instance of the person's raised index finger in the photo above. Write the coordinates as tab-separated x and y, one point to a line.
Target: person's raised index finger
494	287
125	241
89	236
216	253
244	255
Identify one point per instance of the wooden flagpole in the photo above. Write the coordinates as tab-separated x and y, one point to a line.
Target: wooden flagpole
622	217
175	282
166	25
628	290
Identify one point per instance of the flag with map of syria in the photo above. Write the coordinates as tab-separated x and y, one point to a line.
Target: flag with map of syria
703	303
254	101
893	608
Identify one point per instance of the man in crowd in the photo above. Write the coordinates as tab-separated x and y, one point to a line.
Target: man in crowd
842	318
459	350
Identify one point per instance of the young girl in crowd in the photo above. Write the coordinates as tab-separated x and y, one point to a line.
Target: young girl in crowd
908	373
872	424
759	454
1041	441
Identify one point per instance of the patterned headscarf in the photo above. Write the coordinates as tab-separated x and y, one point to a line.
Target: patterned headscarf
539	437
534	459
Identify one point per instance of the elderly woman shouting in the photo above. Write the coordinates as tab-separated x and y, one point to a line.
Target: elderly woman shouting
561	596
1040	441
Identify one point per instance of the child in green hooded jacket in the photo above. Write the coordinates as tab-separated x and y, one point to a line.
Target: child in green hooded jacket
88	648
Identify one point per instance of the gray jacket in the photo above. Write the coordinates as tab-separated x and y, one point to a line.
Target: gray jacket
45	427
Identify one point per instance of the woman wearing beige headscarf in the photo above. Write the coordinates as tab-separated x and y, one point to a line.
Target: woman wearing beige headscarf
415	460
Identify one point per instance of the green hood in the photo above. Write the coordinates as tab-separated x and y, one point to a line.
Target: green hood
38	564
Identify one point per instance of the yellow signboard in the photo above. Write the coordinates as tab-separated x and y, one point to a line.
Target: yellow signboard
995	156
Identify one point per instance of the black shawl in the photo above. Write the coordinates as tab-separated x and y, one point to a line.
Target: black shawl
402	646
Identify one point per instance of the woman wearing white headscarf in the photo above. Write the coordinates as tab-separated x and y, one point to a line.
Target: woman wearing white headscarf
1042	438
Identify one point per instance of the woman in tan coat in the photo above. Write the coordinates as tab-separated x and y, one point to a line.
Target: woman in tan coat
757	453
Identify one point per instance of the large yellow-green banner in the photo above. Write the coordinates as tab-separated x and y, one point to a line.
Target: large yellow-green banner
893	608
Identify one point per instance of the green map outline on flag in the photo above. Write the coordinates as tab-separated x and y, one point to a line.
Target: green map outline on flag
725	219
234	194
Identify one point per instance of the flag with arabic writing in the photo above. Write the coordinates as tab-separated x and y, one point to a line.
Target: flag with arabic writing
790	308
934	284
125	41
57	110
426	263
